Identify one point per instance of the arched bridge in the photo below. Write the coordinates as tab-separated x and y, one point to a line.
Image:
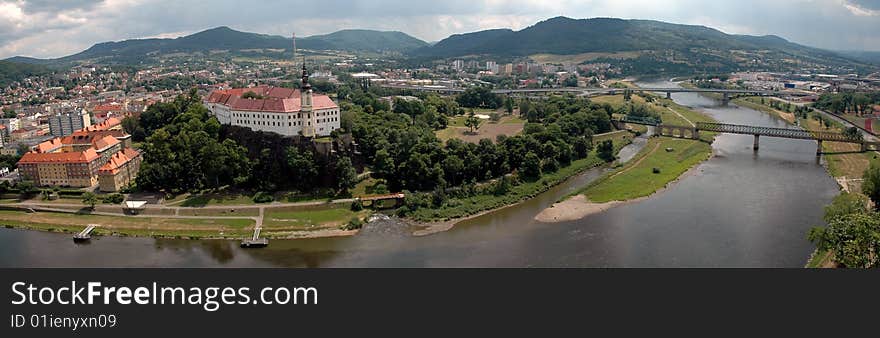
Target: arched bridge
757	131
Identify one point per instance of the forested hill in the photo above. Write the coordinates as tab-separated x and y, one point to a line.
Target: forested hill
14	71
563	35
225	38
566	36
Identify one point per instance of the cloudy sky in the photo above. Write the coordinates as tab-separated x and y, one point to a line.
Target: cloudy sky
49	28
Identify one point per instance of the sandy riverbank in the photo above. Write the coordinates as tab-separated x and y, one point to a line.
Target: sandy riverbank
578	206
573	209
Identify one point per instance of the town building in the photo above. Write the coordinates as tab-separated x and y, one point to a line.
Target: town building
11	124
120	171
65	124
82	160
284	111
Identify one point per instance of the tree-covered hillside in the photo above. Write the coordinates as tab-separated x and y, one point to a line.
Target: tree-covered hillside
14	71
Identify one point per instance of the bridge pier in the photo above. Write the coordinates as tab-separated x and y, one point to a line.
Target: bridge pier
669	95
725	99
818	147
757	138
695	133
864	147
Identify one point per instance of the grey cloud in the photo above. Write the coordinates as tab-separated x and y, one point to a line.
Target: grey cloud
821	23
867	4
36	6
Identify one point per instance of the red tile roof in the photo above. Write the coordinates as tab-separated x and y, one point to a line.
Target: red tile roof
86	156
278	100
106	125
49	146
117	161
105	142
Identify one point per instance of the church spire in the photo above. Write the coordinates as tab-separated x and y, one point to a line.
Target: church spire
305	77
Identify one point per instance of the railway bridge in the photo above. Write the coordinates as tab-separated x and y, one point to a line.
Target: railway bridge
693	132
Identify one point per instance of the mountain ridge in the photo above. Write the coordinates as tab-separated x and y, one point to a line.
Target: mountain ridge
225	38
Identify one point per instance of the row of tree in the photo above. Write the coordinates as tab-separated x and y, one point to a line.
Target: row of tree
409	155
841	103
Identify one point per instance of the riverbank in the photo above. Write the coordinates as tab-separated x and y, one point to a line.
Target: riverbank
278	223
525	191
459	209
636	181
660	163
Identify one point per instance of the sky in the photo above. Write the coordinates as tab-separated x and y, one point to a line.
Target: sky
55	28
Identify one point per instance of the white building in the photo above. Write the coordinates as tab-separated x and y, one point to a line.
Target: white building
283	111
12	124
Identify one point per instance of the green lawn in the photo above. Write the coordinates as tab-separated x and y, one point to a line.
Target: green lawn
308	217
458	121
637	178
217	199
234	223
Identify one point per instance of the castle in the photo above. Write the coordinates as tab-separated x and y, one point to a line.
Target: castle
284	111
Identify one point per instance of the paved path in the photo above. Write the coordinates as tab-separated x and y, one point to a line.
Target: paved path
682	116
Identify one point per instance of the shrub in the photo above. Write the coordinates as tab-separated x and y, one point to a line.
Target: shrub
357	205
114	199
354	224
263	197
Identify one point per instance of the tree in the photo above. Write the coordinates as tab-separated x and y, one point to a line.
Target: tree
90	199
845	204
571	81
383	164
26	189
479	97
853	133
303	171
508	105
472	122
854	239
531	166
346	176
871	185
525	107
582	147
606	151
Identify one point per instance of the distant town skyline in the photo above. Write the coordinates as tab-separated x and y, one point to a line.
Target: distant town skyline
48	29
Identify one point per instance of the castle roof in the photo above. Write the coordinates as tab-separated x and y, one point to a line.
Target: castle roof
276	100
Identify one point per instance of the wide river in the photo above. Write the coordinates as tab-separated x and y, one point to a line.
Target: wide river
738	209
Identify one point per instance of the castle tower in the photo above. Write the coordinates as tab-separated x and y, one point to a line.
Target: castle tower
306	103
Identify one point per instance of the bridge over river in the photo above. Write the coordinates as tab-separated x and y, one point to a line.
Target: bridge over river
757	131
604	91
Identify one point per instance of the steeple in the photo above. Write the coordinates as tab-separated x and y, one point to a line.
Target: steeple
305	77
306	103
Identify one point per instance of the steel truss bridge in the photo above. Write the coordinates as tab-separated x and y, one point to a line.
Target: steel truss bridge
756	131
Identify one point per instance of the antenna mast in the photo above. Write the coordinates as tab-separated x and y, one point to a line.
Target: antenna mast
294	50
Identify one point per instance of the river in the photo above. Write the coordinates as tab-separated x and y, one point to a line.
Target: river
738	209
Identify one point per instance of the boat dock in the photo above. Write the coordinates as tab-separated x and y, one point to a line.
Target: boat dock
85	235
256	241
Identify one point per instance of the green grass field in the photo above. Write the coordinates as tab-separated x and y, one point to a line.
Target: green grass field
637	178
309	217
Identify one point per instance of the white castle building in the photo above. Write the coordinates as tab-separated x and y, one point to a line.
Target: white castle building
284	111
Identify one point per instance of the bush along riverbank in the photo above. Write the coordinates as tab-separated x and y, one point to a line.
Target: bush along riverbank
662	161
459	204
